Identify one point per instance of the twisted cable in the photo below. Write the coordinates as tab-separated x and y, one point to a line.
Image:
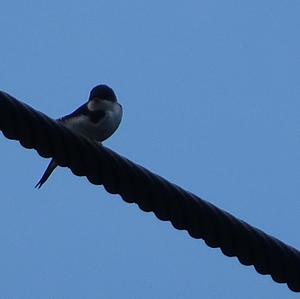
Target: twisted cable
135	184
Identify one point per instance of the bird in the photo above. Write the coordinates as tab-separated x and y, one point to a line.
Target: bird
97	120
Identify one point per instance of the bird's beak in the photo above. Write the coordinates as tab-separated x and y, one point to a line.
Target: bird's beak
93	104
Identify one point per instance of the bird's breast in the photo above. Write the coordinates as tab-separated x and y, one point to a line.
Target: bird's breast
98	131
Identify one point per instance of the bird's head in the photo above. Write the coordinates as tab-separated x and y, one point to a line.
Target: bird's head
99	96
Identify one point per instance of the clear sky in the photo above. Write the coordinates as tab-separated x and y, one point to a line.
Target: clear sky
211	97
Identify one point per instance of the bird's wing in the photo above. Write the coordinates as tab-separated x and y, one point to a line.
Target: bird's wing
82	110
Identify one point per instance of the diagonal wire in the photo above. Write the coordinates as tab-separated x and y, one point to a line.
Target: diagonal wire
150	192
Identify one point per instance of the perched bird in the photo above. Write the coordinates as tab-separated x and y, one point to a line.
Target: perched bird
97	120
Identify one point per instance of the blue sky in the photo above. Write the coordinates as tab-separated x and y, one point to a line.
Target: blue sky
210	91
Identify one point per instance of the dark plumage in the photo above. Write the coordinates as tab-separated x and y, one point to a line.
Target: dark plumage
103	92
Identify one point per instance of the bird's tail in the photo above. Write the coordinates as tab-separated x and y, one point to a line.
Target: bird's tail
52	165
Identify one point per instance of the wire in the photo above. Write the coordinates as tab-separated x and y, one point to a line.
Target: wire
150	192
